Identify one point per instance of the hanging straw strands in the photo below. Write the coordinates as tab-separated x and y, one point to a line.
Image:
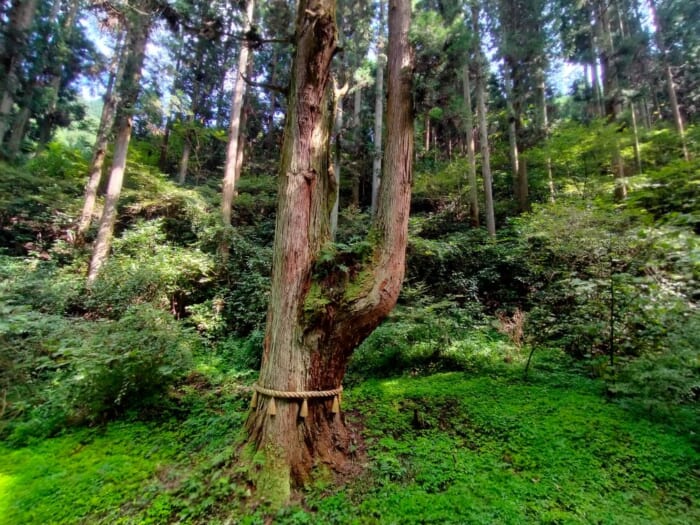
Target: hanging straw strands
336	394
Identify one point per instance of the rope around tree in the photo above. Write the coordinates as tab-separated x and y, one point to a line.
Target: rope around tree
304	395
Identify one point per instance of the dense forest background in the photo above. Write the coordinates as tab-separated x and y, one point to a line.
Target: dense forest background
542	364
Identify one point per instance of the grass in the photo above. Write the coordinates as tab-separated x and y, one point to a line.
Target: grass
67	478
444	448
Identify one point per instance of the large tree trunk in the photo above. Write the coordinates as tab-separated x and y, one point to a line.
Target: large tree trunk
21	18
378	113
99	150
315	321
471	157
128	93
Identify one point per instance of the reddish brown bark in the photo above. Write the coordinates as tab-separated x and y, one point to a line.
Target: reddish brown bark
315	321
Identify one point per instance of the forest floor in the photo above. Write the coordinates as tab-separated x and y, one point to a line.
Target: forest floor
483	446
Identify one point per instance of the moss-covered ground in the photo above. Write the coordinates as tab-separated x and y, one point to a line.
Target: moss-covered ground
454	447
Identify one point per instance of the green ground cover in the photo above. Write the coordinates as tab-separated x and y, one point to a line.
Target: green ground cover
445	448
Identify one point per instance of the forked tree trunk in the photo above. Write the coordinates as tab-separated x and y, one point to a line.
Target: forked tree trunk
99	150
471	157
316	321
229	184
128	93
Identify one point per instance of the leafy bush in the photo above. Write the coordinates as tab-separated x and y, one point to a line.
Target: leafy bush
144	268
68	372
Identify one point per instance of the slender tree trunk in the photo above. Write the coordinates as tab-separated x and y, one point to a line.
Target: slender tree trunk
229	183
471	157
635	133
512	134
613	99
544	126
315	323
21	18
48	122
483	124
339	94
99	150
128	94
378	113
357	146
668	74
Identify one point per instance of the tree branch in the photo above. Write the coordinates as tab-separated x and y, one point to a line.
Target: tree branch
264	85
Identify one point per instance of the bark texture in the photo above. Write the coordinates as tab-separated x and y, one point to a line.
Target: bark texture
317	318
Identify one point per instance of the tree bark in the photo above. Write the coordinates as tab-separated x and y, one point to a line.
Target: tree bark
483	124
471	157
229	183
128	93
99	150
315	321
378	114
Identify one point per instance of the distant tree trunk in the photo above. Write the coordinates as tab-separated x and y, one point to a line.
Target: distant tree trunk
471	157
314	323
635	134
613	97
513	151
48	122
339	95
128	94
670	85
229	184
21	18
99	150
356	123
378	114
544	127
483	125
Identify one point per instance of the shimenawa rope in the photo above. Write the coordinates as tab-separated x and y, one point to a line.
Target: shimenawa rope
304	395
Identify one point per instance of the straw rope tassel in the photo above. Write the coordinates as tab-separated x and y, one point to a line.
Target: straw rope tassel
336	405
272	407
304	411
254	401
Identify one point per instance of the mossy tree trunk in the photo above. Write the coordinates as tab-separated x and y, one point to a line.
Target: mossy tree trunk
317	317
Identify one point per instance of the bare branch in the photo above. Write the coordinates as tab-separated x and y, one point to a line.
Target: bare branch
264	85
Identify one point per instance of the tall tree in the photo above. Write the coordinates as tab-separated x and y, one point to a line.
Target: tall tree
668	74
378	111
317	318
471	157
138	21
15	40
480	63
99	150
234	134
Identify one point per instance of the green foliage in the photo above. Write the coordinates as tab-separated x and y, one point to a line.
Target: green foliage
66	479
145	268
60	372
